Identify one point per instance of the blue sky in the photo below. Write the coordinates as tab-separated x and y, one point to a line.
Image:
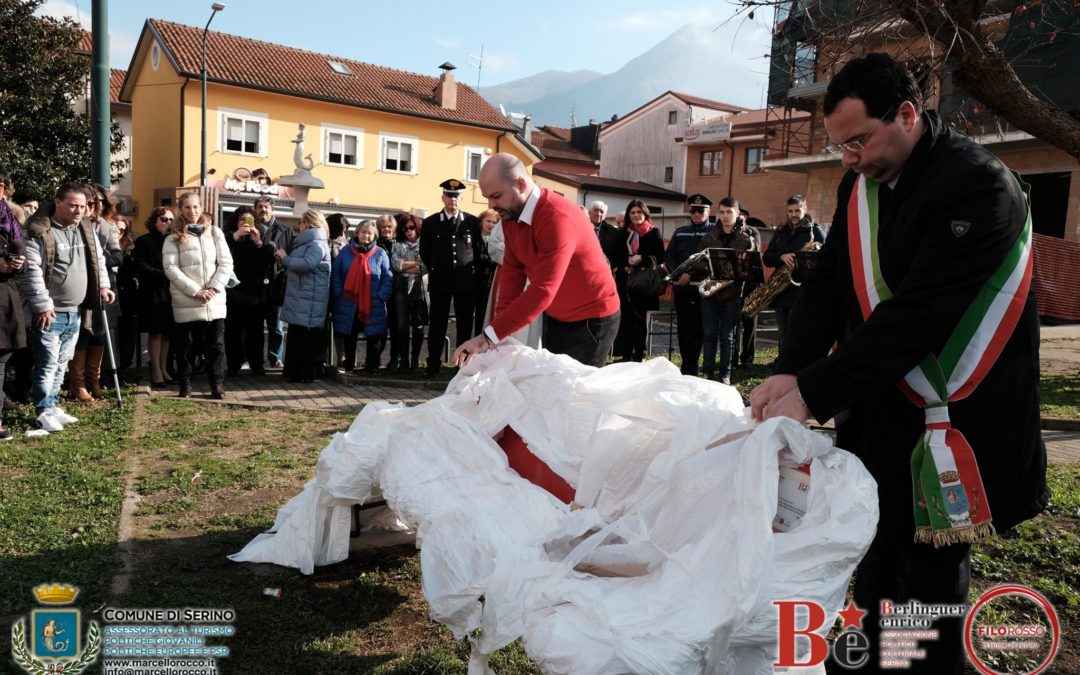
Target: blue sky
418	35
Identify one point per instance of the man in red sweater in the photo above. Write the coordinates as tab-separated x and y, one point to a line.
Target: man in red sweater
551	244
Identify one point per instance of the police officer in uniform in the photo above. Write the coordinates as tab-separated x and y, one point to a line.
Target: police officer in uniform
450	247
684	243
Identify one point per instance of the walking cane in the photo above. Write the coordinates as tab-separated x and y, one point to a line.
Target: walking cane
112	356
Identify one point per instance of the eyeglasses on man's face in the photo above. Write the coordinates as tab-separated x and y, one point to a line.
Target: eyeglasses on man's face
859	144
697	209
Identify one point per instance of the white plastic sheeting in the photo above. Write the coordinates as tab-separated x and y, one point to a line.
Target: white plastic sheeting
499	554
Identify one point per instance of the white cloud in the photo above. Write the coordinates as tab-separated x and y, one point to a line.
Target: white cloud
121	44
59	8
495	62
121	48
666	20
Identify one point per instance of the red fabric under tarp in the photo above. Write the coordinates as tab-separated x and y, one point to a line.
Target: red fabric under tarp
528	465
1057	277
531	468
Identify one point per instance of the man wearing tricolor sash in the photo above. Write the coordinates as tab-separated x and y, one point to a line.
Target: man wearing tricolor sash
924	285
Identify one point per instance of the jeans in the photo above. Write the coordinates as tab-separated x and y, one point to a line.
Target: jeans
275	338
53	348
746	336
719	318
588	341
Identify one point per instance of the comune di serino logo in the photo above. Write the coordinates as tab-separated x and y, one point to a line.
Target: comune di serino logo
54	644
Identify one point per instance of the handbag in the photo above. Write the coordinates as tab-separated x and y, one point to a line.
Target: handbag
418	306
646	282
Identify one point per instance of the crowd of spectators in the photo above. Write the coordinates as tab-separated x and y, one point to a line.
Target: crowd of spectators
78	290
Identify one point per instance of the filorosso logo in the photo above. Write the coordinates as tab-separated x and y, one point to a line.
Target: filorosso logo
1012	629
55	643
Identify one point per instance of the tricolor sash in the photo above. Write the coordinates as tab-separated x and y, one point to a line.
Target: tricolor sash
949	500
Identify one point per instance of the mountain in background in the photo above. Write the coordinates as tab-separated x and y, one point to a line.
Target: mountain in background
694	60
550	82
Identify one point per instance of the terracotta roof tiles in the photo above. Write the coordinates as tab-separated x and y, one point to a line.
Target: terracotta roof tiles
116	82
554	145
254	64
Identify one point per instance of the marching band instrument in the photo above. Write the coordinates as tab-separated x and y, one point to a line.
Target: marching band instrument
781	279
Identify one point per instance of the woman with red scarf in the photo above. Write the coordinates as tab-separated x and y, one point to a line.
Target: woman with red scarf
360	285
644	248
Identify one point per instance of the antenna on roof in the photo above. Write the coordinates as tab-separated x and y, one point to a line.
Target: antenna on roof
573	120
477	61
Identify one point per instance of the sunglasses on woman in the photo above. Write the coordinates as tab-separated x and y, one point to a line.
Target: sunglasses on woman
166	220
410	228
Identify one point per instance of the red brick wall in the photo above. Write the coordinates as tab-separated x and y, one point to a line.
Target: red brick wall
764	194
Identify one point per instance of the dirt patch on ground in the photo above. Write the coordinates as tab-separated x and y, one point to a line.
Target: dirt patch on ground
1060	356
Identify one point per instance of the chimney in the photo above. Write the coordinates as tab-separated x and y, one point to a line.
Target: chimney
446	89
527	129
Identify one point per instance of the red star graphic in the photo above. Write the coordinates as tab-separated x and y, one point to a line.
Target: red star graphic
852	616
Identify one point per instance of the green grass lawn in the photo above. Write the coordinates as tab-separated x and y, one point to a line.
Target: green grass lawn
60	500
1059	395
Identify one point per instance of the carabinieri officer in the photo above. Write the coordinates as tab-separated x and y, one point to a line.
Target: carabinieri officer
450	246
684	242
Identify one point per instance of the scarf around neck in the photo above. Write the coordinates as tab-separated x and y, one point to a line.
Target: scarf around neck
637	233
358	282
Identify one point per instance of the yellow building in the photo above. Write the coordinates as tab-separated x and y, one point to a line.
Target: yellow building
380	139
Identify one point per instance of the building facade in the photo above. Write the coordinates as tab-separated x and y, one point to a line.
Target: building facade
641	145
380	140
806	54
735	166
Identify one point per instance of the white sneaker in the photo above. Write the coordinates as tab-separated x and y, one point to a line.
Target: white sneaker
48	421
62	417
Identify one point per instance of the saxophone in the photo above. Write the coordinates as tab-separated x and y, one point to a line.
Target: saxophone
781	279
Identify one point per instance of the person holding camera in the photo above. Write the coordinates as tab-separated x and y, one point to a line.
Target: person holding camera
247	302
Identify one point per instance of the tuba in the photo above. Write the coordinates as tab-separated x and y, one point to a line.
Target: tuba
781	279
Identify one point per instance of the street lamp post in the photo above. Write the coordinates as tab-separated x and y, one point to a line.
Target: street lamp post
217	7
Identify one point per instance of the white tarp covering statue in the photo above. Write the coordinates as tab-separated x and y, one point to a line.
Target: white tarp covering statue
668	562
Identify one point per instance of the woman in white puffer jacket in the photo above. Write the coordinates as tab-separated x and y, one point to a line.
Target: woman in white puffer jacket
198	265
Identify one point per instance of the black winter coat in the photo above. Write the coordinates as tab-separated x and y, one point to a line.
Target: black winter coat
12	317
254	267
155	300
451	255
935	270
789	240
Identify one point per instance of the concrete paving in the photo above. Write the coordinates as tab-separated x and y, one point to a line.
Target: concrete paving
272	391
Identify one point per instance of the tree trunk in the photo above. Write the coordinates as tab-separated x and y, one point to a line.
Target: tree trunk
986	73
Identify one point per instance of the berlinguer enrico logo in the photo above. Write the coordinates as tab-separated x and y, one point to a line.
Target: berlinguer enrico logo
55	643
